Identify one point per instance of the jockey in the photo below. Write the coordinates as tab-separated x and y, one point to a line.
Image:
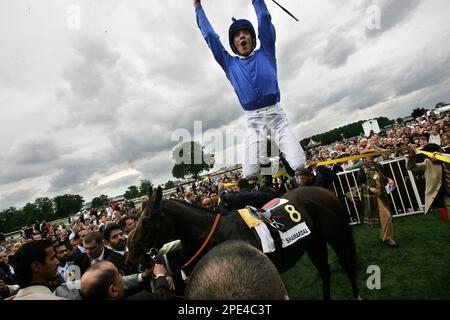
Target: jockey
253	75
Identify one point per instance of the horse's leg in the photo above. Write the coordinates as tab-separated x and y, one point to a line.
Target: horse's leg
317	252
345	251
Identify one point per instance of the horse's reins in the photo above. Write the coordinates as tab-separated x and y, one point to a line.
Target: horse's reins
211	232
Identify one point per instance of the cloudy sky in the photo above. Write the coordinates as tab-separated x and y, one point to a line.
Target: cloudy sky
92	91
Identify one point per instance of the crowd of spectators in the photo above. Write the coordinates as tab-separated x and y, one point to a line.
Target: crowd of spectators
100	234
415	134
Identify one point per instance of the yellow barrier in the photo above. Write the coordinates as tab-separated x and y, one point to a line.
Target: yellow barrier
439	156
367	155
235	183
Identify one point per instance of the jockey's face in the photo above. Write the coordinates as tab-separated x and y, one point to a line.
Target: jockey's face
243	41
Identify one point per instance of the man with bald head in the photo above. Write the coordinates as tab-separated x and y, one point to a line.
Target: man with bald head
235	270
102	281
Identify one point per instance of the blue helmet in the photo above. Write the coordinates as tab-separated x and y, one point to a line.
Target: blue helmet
239	25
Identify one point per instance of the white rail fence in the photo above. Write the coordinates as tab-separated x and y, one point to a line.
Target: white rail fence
407	198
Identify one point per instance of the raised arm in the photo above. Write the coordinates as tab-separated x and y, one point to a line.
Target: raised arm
266	30
212	39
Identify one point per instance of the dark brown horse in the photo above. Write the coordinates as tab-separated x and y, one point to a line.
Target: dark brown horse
166	220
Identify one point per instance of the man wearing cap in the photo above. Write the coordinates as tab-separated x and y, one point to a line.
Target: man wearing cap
376	204
253	75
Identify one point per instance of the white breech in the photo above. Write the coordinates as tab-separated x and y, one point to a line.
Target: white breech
259	124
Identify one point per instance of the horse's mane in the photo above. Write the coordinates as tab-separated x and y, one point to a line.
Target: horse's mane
187	204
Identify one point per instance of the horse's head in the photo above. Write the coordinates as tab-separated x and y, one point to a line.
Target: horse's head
153	229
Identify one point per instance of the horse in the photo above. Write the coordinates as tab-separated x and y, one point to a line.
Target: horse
165	220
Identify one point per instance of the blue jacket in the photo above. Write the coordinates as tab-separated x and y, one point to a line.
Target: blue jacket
254	78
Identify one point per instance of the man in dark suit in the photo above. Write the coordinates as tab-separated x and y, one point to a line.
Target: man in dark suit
80	249
116	240
324	177
244	197
95	251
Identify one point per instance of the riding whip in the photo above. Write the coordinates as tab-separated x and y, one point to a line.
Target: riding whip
285	10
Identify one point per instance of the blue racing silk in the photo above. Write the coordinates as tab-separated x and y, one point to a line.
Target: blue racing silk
254	78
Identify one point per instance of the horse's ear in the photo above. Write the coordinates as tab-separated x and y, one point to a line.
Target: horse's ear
150	192
158	198
148	205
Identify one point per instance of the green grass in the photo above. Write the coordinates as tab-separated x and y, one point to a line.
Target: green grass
419	269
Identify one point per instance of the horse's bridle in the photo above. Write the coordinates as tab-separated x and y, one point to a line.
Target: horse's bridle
145	247
140	245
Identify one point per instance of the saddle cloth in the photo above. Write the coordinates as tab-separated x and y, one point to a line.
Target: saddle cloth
278	214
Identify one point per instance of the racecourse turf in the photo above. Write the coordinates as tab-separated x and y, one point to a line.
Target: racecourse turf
419	269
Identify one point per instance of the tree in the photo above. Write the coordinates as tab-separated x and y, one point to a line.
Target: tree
132	192
145	185
45	206
11	219
418	112
100	201
67	204
31	213
190	160
169	184
399	120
